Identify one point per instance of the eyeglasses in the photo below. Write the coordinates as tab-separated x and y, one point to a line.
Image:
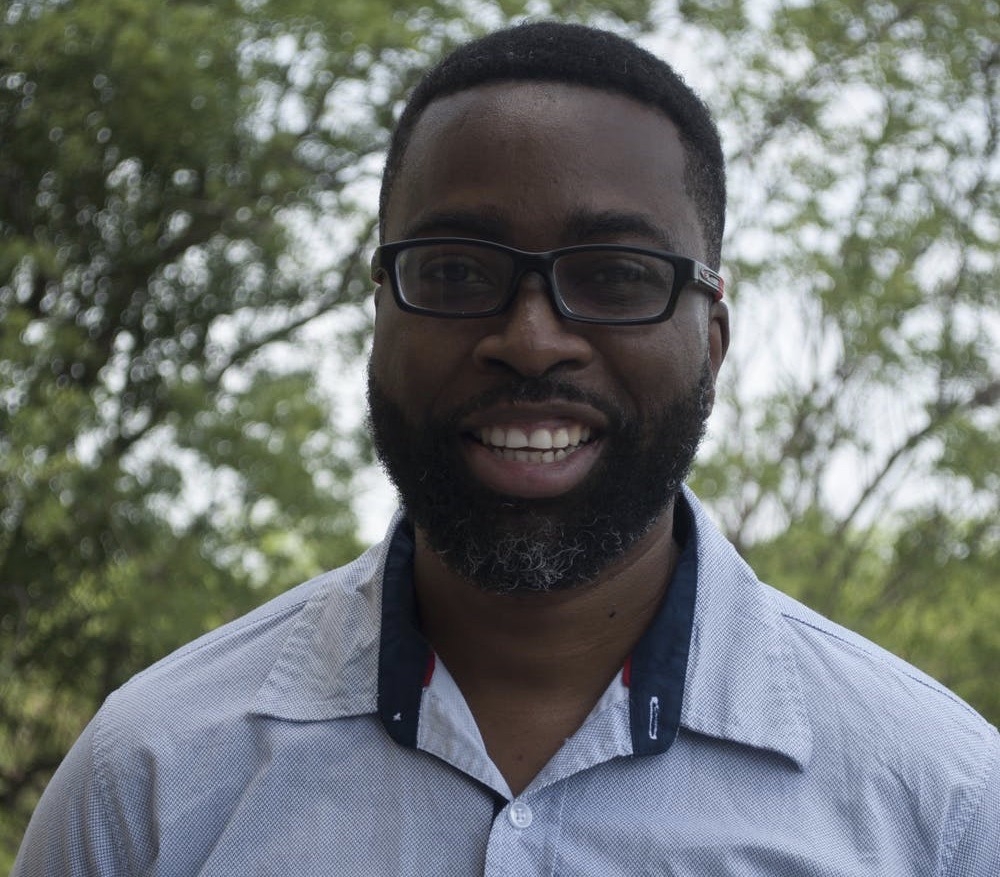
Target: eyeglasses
592	283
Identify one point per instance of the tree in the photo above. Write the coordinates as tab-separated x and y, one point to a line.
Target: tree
186	195
854	458
182	193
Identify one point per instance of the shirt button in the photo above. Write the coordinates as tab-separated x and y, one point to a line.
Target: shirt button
520	814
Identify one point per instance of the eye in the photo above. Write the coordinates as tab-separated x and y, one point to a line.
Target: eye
615	284
452	278
618	271
453	269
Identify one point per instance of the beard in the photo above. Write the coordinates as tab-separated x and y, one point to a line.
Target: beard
508	544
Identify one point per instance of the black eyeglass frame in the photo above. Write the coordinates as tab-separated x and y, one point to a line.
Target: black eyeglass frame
687	272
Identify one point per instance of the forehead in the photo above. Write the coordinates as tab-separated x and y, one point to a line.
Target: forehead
527	160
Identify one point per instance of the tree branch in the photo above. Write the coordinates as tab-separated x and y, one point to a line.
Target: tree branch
321	306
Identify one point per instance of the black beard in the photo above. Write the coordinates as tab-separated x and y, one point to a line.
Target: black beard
509	544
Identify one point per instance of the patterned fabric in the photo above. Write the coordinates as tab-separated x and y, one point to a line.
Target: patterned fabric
802	750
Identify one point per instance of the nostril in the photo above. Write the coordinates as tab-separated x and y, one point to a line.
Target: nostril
532	344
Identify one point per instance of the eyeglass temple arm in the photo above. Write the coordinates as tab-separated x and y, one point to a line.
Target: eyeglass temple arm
711	280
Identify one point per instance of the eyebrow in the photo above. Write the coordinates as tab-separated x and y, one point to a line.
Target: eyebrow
583	226
600	225
487	223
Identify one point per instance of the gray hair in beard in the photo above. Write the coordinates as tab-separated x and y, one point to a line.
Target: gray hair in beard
515	545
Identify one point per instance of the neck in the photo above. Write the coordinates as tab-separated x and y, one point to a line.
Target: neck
532	666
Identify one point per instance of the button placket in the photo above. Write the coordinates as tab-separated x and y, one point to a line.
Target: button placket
519	814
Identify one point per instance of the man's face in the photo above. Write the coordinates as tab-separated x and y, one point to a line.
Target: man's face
531	451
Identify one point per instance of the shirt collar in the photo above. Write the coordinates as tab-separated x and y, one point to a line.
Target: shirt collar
715	659
743	681
328	664
405	657
656	667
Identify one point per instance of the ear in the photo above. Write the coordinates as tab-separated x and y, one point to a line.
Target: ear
378	278
718	335
718	343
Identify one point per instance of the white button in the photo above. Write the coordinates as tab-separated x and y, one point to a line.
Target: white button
520	814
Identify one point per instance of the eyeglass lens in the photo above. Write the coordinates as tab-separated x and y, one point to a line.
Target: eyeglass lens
459	278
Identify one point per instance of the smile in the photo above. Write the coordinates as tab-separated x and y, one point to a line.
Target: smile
537	445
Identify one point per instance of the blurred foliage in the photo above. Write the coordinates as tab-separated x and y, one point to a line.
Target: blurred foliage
187	187
855	447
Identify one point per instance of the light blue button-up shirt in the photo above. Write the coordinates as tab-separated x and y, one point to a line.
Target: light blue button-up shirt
318	736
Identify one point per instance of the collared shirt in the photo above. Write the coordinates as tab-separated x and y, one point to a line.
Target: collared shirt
318	736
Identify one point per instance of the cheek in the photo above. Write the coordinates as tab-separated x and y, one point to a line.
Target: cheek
415	360
396	355
658	363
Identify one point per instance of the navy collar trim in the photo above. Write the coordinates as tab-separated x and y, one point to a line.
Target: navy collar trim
657	667
404	654
658	663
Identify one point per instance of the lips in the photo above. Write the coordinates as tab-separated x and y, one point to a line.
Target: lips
534	444
533	449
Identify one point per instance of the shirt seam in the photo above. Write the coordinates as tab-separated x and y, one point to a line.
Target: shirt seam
220	635
557	840
898	666
972	805
101	771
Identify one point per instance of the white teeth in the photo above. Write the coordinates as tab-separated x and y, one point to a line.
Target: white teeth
542	446
516	438
521	456
541	439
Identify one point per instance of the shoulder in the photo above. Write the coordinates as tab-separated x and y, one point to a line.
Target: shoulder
890	732
177	742
230	663
869	732
858	677
885	695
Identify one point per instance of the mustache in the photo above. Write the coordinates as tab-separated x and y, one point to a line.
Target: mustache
537	390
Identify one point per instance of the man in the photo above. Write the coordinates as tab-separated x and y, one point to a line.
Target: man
554	664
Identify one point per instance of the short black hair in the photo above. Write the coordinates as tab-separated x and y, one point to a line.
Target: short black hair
550	51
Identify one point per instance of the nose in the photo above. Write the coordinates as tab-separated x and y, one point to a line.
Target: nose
531	337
